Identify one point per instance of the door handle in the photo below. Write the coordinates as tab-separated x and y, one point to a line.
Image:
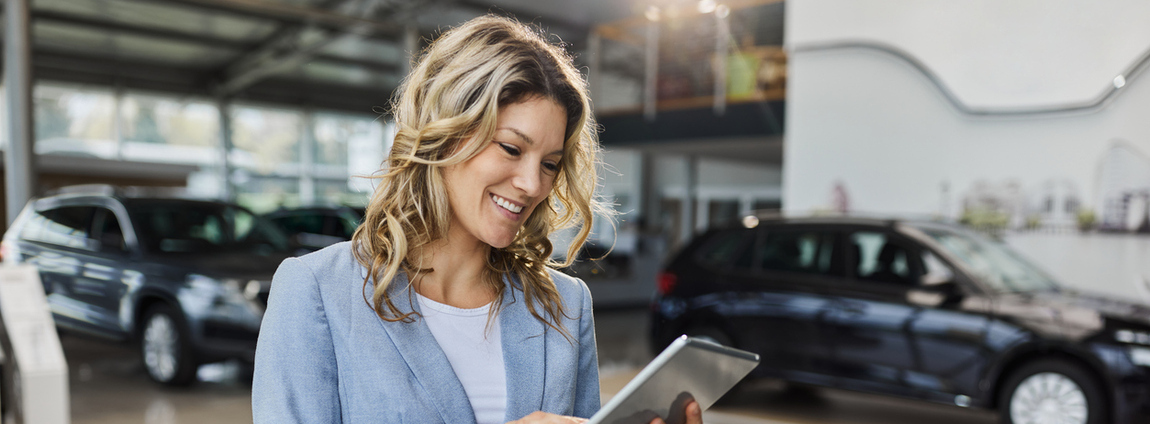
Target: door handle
853	310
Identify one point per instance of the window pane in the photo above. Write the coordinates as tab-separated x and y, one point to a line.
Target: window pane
158	129
880	259
66	226
265	140
73	121
333	134
338	193
724	247
797	251
265	194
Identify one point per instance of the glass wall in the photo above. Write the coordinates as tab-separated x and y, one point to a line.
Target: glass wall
278	157
74	121
155	128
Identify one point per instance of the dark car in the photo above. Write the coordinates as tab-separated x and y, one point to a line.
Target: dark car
314	228
910	309
187	279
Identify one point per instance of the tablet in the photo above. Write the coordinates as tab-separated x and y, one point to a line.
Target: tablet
688	368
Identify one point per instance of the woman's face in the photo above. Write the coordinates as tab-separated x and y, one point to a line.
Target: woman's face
492	194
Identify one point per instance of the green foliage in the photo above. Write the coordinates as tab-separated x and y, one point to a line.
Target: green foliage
1086	220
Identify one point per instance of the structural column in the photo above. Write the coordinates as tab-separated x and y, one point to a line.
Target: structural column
651	66
691	203
307	160
19	170
722	52
227	190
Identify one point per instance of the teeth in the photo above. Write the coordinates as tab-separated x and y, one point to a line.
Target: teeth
506	205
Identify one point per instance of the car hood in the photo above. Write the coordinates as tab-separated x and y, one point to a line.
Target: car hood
247	266
1069	313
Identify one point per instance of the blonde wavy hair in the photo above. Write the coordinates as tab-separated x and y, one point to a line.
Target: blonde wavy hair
445	112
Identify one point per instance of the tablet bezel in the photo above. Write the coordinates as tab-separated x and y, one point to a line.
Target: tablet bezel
746	360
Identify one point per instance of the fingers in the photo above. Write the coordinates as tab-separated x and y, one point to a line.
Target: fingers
694	413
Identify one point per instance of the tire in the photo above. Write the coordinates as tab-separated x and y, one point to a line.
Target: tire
165	348
1052	391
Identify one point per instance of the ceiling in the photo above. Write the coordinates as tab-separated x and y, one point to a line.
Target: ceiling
328	54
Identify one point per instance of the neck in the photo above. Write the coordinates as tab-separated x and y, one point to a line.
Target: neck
457	278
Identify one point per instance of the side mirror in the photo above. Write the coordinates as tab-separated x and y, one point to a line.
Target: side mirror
936	279
934	290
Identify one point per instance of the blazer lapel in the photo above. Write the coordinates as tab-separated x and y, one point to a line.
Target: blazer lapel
426	359
523	354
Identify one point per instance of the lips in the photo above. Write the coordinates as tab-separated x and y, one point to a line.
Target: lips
507	204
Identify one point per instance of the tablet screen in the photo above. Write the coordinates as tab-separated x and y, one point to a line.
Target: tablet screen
688	368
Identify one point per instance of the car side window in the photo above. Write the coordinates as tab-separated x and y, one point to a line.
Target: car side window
725	247
64	226
796	251
109	233
879	258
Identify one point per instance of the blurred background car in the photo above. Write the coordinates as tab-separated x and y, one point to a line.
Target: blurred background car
313	228
187	280
911	309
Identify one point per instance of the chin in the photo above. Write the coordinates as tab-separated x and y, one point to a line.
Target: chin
500	242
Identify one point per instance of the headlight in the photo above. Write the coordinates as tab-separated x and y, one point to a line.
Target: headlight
1140	356
1133	337
225	298
209	287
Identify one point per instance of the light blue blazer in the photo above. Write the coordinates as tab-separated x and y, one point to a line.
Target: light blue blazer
324	356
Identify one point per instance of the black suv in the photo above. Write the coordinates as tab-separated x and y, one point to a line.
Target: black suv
911	309
187	279
313	228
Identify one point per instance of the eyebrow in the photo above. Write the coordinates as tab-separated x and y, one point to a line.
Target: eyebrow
527	139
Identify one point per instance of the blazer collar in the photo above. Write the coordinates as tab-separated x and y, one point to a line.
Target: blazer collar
524	353
426	359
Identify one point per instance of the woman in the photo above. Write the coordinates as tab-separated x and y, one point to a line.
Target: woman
444	307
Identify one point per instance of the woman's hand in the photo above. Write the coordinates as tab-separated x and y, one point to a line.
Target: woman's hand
540	417
693	412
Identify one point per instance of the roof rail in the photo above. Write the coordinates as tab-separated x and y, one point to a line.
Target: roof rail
95	189
120	191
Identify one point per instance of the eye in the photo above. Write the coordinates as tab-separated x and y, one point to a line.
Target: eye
551	167
510	149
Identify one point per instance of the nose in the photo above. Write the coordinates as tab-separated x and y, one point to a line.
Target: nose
528	178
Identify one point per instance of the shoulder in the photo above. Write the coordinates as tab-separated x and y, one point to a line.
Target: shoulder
334	260
573	290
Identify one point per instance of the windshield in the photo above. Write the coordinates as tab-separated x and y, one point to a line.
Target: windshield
993	262
178	226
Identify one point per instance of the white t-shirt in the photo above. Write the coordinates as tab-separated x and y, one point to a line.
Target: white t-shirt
475	353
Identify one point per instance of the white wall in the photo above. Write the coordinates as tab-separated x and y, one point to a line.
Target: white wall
873	122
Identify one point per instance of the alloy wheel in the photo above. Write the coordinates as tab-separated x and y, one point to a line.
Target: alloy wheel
1048	398
161	347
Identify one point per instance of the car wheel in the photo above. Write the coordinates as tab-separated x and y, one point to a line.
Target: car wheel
1052	391
164	347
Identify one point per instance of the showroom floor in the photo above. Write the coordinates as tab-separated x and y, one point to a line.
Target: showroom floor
108	386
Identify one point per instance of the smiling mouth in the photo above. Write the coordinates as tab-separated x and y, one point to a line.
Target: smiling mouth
506	204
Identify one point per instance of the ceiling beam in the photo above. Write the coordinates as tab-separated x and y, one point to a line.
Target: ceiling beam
184	37
299	15
287	49
98	70
119	27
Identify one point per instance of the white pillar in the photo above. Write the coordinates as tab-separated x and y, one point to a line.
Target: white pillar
19	169
651	76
